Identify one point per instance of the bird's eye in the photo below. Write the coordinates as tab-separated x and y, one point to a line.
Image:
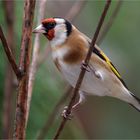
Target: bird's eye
51	25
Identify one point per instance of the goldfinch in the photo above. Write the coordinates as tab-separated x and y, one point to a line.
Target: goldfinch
69	49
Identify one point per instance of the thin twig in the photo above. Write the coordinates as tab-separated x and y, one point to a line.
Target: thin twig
33	66
52	116
111	20
9	54
21	106
83	70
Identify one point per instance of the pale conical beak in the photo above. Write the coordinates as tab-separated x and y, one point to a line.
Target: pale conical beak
39	29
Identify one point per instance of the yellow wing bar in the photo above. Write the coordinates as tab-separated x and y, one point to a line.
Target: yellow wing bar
107	60
111	65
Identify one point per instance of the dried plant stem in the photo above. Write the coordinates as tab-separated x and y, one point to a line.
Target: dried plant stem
21	106
35	55
9	54
83	70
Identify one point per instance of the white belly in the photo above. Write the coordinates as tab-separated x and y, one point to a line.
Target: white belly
91	84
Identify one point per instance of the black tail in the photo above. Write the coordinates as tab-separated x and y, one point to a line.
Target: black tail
138	101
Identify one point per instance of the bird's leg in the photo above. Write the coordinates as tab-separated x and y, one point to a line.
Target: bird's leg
65	114
83	65
81	99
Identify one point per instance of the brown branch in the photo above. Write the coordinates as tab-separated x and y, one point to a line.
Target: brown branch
110	22
83	70
52	116
35	55
9	76
9	54
21	106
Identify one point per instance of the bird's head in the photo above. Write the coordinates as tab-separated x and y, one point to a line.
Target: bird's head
55	29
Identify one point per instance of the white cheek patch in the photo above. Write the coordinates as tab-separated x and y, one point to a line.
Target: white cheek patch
59	29
60	35
58	41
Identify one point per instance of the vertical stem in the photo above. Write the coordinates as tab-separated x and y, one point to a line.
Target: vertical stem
35	56
21	107
9	54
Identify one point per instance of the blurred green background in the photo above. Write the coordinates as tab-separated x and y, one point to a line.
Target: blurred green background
98	117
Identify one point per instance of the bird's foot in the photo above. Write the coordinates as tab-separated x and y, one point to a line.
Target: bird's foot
66	114
85	66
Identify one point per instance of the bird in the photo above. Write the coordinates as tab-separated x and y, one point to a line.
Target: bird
69	49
